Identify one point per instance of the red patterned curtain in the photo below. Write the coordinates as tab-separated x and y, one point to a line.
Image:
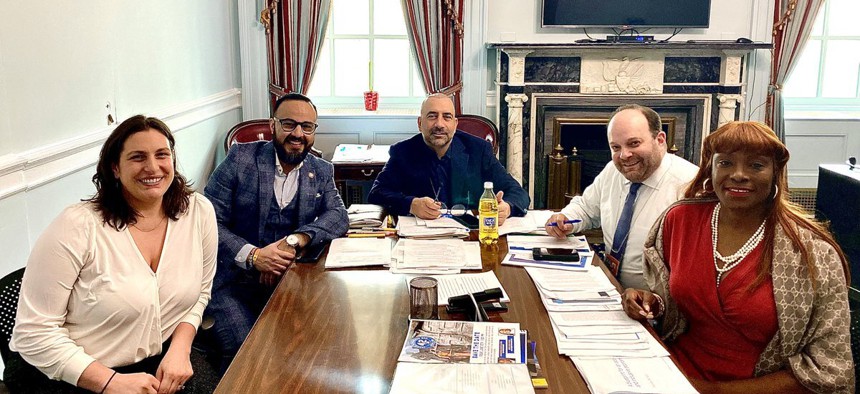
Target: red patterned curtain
436	32
295	30
792	24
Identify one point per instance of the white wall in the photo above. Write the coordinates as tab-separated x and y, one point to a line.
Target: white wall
818	141
519	21
61	63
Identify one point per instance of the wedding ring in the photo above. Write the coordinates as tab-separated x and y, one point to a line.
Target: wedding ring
182	387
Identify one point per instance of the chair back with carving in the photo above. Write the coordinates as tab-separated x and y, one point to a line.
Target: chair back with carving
253	130
480	127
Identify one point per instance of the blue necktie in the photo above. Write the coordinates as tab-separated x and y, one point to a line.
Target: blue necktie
622	232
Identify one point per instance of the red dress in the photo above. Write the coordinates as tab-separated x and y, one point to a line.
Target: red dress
728	326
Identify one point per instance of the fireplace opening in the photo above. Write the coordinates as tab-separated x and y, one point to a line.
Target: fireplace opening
583	142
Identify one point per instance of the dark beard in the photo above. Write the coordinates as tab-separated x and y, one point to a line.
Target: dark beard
291	158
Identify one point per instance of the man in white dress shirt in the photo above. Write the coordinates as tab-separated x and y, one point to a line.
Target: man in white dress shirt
641	178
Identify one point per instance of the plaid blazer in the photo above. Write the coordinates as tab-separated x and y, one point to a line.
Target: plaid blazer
242	189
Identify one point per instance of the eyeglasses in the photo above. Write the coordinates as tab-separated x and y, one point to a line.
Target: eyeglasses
456	210
288	125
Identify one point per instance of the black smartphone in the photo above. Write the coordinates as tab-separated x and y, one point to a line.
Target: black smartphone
555	254
312	254
467	220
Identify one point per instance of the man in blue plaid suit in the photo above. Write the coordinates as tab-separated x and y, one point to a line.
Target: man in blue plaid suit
272	200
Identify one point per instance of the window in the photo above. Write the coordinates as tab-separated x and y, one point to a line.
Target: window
827	76
360	31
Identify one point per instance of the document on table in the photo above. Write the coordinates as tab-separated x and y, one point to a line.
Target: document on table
527	242
359	153
633	375
448	253
532	223
460	284
471	259
415	378
358	252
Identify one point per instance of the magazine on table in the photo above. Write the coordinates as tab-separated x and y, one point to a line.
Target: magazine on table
443	341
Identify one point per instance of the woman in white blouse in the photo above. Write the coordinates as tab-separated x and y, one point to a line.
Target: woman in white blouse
116	286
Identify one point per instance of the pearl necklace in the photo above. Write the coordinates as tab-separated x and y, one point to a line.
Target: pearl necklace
733	260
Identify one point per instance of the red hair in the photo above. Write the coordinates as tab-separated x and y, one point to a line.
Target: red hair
758	138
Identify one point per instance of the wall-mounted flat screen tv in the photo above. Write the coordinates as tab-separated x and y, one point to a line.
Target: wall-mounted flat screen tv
626	13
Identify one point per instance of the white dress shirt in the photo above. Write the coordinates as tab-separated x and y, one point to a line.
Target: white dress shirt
602	202
88	294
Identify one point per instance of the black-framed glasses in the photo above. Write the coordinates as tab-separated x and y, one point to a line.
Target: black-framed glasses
288	125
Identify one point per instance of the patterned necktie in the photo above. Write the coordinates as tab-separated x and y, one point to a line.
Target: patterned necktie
622	232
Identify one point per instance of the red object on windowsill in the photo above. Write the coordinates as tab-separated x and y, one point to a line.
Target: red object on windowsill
371	100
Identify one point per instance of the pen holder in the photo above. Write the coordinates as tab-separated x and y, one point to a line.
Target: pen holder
423	298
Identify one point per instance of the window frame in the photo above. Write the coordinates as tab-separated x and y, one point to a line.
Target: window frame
350	104
805	105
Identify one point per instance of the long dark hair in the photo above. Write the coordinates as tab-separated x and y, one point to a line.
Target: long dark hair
109	199
757	137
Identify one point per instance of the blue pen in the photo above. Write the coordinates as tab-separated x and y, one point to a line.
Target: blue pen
555	224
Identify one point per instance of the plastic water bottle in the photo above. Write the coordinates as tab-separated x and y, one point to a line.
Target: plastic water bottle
488	214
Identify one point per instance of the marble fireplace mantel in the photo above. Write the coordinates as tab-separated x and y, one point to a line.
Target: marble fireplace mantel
625	71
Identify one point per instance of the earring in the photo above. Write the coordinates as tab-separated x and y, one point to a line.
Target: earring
775	191
705	185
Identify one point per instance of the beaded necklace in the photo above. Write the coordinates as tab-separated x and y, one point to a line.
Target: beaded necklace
733	260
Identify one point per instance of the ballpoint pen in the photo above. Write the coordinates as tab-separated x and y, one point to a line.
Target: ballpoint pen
555	224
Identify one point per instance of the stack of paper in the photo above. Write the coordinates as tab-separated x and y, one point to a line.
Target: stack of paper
357	252
462	284
520	251
358	153
365	215
412	227
440	256
633	375
570	291
532	223
613	352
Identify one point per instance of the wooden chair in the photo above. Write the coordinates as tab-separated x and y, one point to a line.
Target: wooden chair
253	130
480	127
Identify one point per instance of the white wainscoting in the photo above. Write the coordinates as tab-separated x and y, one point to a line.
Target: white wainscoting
818	141
27	170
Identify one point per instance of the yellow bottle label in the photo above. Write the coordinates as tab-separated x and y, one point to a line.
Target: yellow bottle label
488	213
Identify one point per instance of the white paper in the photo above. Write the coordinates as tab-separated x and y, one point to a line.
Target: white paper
415	378
448	253
359	153
454	285
633	375
357	252
527	242
532	223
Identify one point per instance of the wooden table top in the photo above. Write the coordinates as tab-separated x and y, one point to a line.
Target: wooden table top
341	331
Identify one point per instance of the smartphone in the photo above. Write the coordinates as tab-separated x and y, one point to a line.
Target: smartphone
555	254
467	220
312	254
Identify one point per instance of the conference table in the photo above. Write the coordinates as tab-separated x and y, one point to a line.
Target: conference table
341	331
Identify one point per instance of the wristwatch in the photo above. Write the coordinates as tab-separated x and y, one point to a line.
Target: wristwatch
293	240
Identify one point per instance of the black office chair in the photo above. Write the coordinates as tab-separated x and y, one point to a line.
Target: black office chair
854	307
10	288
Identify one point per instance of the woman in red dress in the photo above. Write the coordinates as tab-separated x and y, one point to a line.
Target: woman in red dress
751	294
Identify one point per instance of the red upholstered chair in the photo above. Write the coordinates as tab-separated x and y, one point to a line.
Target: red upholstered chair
253	130
480	127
